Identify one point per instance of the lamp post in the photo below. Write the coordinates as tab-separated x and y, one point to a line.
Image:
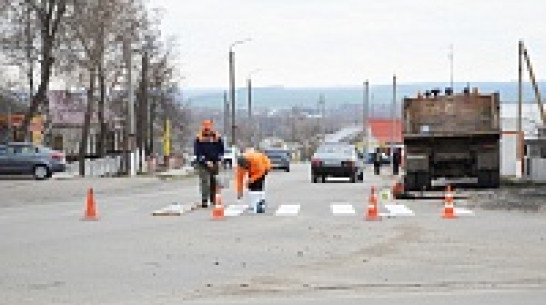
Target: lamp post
251	127
232	84
249	92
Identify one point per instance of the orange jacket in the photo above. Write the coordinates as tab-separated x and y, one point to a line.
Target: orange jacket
259	166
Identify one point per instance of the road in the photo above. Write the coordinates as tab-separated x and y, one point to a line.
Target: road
48	255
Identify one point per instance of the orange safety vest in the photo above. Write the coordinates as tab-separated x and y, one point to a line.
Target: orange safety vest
259	164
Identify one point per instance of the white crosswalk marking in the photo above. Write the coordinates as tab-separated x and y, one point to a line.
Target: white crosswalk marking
235	210
398	210
463	212
342	209
288	210
175	209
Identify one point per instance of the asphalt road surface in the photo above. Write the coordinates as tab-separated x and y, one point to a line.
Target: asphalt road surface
48	255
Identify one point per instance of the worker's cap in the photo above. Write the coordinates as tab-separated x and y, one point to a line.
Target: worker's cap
206	124
243	162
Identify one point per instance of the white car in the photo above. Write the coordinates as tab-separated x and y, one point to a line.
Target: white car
230	156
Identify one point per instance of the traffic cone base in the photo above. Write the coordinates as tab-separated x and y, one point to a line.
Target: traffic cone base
218	209
372	212
448	212
90	209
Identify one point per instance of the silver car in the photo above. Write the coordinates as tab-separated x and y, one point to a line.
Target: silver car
337	160
29	159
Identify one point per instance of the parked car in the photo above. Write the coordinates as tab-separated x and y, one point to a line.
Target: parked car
29	159
337	160
279	158
230	156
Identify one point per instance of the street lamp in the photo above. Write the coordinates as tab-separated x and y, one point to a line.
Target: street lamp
232	84
249	91
251	127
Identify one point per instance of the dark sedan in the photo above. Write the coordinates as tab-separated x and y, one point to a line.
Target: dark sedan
279	158
29	159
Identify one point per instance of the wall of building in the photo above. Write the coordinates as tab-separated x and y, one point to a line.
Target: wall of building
508	154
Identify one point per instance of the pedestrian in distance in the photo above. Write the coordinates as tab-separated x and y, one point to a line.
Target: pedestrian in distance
396	158
254	167
208	149
377	159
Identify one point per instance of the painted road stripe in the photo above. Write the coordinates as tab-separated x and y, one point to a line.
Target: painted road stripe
463	212
288	210
398	210
342	209
235	210
174	209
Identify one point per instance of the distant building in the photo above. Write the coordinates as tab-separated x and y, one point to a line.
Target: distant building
67	111
383	133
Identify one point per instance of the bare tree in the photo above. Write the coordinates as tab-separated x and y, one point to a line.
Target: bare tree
45	17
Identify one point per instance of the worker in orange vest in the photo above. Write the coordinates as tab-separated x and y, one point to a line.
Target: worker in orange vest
254	166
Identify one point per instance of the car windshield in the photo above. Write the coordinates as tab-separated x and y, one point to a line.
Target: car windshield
335	149
276	153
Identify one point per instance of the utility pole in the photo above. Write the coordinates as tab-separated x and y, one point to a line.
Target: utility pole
365	112
232	86
520	101
232	93
226	116
322	111
249	92
9	139
130	122
451	67
393	114
143	117
365	107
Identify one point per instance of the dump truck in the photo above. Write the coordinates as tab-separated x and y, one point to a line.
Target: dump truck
451	138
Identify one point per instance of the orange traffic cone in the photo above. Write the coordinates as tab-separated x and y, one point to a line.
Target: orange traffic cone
448	211
218	209
372	212
91	209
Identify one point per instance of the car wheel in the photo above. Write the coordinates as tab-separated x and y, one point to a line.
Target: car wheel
40	172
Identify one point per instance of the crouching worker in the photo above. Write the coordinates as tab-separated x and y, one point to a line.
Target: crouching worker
253	166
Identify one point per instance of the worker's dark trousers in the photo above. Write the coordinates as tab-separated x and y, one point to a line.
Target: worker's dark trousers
208	182
258	185
395	169
377	168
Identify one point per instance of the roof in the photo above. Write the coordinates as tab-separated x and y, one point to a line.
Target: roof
382	130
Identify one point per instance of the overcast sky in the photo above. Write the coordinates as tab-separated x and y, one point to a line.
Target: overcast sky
343	42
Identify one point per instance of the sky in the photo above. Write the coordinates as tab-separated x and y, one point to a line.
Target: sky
329	43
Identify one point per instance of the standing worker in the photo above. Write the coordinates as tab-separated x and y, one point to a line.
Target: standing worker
377	159
396	158
256	166
208	149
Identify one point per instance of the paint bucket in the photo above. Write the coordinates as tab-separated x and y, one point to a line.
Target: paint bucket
256	201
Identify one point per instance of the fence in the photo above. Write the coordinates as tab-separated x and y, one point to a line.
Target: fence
104	167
